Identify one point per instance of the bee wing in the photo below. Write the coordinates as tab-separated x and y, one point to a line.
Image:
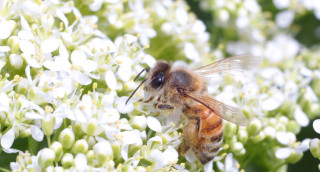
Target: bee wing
229	113
229	66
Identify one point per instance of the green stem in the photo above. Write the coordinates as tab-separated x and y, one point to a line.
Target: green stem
4	170
48	140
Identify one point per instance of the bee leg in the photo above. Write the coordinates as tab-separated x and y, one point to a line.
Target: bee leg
183	147
190	132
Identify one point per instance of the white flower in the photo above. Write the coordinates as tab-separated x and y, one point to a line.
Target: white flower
269	103
242	21
282	46
252	6
111	115
281	4
230	164
122	106
191	52
284	18
283	153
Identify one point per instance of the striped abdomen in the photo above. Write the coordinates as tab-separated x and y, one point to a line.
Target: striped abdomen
209	134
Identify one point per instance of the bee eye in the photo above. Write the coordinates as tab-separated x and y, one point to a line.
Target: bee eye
158	80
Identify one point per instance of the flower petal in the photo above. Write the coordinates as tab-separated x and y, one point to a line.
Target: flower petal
316	125
6	29
301	117
8	138
27	47
36	133
111	80
285	137
130	137
80	162
283	153
154	124
170	155
49	45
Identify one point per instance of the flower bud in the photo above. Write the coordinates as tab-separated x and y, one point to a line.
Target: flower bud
46	157
91	141
91	127
242	135
270	132
90	157
47	125
81	146
283	119
67	160
16	61
238	148
13	43
57	148
23	86
103	151
293	126
280	127
77	129
315	147
139	122
314	110
258	138
230	129
254	127
116	150
66	138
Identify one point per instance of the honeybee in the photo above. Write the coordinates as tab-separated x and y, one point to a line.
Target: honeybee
179	88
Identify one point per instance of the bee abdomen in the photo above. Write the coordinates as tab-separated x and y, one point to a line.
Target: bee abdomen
210	136
209	147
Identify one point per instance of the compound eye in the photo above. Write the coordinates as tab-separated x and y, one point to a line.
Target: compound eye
158	80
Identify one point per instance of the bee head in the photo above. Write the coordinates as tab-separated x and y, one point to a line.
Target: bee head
157	76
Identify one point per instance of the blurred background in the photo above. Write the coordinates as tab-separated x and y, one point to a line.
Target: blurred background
300	19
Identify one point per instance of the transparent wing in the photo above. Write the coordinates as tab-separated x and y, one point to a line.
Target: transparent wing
235	65
229	113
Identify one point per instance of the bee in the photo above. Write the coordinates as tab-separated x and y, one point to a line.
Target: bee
179	88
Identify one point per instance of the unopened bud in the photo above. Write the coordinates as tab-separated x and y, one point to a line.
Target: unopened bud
66	138
46	157
81	146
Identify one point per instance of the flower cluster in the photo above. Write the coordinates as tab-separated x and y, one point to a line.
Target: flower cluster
67	68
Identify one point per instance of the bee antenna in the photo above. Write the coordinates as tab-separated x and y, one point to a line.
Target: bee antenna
136	88
144	69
